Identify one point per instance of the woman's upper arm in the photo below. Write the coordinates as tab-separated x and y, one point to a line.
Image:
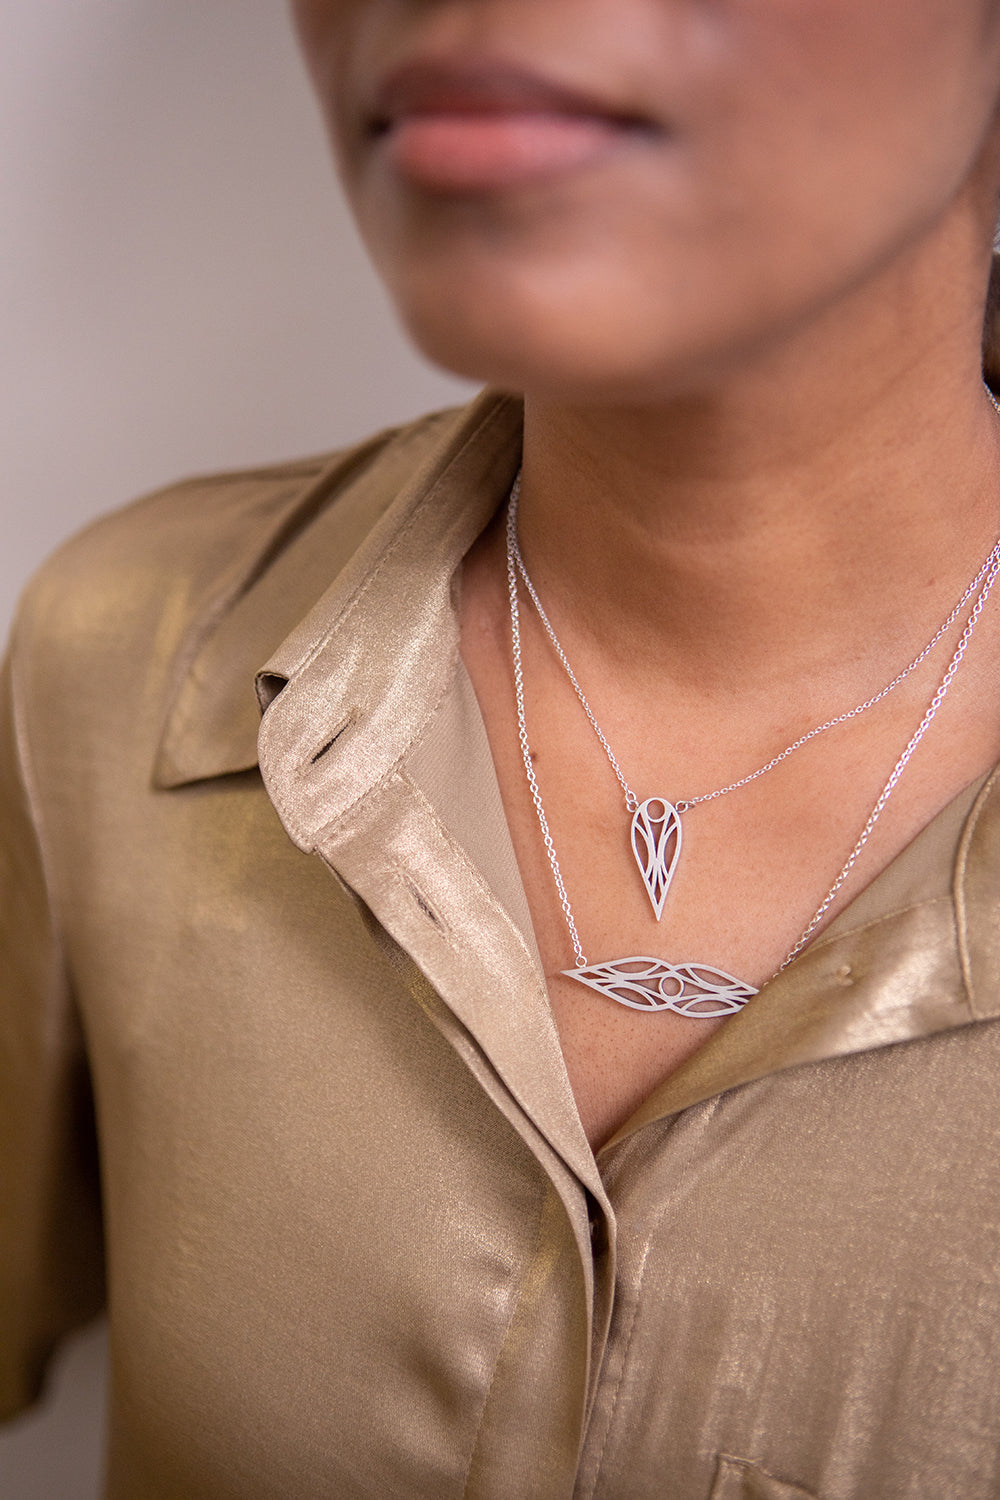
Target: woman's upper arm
51	1261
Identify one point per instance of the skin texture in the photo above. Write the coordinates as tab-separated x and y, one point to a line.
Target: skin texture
759	467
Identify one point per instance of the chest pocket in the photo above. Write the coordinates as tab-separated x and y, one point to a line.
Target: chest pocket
739	1479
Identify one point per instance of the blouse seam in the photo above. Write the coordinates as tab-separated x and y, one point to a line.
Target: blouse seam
25	769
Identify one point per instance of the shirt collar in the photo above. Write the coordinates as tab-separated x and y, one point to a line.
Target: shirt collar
296	522
350	691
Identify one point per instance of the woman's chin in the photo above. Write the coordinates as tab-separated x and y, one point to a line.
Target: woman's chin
529	366
572	362
568	349
579	327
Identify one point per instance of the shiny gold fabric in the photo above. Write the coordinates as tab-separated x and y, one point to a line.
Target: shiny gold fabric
357	1243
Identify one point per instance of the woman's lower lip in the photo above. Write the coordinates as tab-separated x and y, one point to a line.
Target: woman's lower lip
454	152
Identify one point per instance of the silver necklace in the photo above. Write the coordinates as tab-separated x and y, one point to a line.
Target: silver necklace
693	989
656	828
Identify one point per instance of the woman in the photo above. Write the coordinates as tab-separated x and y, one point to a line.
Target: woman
610	1108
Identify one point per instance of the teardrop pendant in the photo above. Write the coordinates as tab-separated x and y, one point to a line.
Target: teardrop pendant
656	844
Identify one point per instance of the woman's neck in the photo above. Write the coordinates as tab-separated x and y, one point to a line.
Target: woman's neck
818	535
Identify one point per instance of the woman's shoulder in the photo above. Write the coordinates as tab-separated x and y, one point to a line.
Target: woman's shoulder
195	546
197	531
132	612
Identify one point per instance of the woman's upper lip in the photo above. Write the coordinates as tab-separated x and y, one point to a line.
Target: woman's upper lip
482	86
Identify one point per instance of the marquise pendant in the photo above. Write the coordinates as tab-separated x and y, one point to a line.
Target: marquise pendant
694	990
656	844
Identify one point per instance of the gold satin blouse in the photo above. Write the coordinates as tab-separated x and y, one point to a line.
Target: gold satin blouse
356	1242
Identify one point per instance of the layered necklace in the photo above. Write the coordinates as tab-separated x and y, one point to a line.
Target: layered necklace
656	831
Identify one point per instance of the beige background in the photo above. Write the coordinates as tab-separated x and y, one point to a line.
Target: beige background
180	290
180	285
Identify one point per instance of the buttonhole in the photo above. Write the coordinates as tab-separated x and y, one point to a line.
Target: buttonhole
335	736
423	903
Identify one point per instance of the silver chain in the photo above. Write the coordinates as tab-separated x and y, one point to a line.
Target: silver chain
900	766
522	734
984	580
684	804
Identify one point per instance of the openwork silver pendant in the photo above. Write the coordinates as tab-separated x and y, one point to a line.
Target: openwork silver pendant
694	990
656	844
